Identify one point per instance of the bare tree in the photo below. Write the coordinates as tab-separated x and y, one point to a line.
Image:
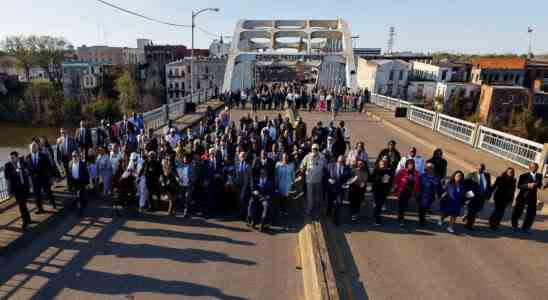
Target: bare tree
46	52
23	49
51	52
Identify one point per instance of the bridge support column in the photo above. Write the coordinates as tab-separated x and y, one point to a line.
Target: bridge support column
543	166
166	114
476	136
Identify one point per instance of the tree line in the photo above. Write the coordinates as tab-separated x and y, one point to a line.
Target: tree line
43	102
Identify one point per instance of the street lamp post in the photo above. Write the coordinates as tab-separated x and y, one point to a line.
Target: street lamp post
194	15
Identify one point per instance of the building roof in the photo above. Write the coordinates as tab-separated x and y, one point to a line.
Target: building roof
506	87
202	59
380	62
82	63
537	62
499	63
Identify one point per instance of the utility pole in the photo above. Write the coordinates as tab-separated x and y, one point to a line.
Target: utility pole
391	35
194	15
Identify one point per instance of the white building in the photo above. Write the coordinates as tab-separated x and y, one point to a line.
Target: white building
209	74
421	90
384	76
424	71
464	90
219	48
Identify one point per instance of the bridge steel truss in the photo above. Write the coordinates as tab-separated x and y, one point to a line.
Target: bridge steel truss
322	44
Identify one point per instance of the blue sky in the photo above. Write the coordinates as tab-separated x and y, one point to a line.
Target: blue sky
479	26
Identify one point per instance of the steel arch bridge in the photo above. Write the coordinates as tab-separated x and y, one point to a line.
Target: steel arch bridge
322	46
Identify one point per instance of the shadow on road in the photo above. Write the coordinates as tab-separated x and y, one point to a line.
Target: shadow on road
48	268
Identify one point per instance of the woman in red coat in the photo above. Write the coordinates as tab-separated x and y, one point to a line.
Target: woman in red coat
407	184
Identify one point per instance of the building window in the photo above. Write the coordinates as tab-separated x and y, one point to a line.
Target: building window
443	75
391	76
518	77
401	74
505	77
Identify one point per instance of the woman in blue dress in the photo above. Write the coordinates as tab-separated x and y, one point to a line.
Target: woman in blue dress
431	189
452	200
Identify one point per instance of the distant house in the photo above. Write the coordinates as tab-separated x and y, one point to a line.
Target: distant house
384	76
80	78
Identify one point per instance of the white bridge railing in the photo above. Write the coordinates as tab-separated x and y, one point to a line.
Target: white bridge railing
158	117
506	146
421	116
461	130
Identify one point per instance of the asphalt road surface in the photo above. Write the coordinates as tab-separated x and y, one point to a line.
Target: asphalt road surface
430	263
155	257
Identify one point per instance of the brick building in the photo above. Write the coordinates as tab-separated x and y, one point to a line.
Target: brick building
498	103
498	71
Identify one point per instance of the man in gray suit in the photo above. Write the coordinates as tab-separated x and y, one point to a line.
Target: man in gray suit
244	181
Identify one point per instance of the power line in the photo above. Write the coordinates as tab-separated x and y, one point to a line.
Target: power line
142	16
207	32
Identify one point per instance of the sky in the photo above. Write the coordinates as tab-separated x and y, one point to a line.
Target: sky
463	26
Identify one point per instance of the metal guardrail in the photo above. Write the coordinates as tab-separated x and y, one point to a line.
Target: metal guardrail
506	146
424	117
4	195
461	130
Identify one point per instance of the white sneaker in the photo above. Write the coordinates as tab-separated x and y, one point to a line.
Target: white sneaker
450	229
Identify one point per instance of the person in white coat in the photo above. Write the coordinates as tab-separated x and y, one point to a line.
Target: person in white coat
419	161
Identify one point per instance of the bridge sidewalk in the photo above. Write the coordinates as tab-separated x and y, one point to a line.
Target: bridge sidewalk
192	119
12	238
465	155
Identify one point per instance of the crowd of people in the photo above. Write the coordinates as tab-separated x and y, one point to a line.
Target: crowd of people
279	95
251	163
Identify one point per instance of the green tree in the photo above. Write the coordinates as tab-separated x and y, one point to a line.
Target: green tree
127	93
102	108
522	124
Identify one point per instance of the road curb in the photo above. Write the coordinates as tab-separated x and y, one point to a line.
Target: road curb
319	280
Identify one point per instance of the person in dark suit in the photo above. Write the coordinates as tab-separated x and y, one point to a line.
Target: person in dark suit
338	175
392	154
264	162
84	140
17	174
528	183
66	144
260	201
504	190
480	185
40	171
103	134
212	168
152	142
265	141
78	179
